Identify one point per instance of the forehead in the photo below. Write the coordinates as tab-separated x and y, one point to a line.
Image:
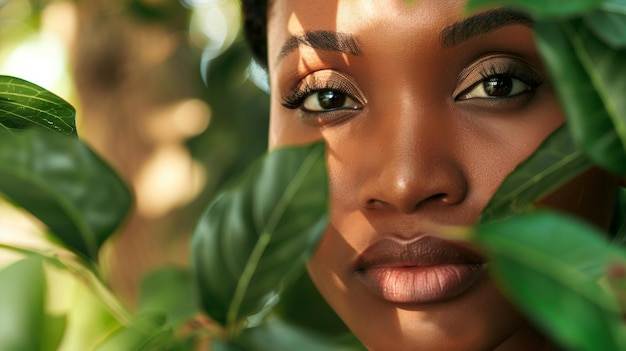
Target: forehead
287	18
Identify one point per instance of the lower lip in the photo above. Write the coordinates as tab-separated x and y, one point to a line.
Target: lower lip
419	285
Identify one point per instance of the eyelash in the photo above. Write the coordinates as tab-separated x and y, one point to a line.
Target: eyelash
513	72
510	70
296	98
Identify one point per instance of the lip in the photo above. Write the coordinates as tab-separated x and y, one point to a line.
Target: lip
423	270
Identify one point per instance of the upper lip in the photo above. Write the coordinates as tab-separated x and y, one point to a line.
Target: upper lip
422	251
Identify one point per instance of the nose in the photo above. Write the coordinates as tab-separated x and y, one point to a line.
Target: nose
414	164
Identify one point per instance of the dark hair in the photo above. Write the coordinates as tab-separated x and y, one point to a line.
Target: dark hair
254	13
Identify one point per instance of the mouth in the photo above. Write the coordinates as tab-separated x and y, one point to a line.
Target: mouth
424	270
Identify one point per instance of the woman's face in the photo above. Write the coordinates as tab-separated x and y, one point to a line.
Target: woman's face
425	111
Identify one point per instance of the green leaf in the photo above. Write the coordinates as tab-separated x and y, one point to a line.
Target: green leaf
24	104
590	80
550	266
557	160
258	235
63	183
140	336
53	332
169	291
22	295
542	9
615	6
302	320
609	25
277	335
314	315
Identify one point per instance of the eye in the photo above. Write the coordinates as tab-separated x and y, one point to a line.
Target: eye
328	100
496	86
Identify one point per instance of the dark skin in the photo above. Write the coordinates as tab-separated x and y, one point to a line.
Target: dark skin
421	129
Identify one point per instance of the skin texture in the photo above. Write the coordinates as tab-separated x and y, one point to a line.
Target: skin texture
411	149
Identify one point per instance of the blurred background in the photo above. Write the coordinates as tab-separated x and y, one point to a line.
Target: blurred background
165	92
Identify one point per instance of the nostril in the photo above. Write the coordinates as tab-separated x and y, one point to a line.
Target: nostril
441	197
374	204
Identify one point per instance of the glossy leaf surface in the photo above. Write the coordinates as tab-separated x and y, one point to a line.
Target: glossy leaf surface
22	298
590	83
64	184
258	235
550	265
557	159
24	104
540	8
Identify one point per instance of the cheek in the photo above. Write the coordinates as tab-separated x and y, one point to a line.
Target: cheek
287	129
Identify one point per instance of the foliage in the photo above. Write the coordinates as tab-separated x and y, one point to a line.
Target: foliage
249	249
245	248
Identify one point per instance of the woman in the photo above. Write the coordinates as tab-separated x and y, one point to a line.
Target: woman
425	110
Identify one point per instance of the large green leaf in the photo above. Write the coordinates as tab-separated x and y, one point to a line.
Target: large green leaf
590	81
315	315
303	320
557	160
277	335
606	69
550	265
258	235
63	183
609	23
24	105
540	8
22	296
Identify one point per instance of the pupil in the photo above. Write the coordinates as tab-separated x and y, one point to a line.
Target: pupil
329	99
498	86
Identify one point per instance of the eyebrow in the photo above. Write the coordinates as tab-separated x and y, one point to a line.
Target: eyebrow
481	23
323	40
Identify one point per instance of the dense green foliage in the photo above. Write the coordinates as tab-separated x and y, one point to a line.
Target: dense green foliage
250	247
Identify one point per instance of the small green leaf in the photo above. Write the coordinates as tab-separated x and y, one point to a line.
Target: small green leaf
590	80
257	236
542	9
24	104
169	291
550	266
557	160
22	294
63	183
